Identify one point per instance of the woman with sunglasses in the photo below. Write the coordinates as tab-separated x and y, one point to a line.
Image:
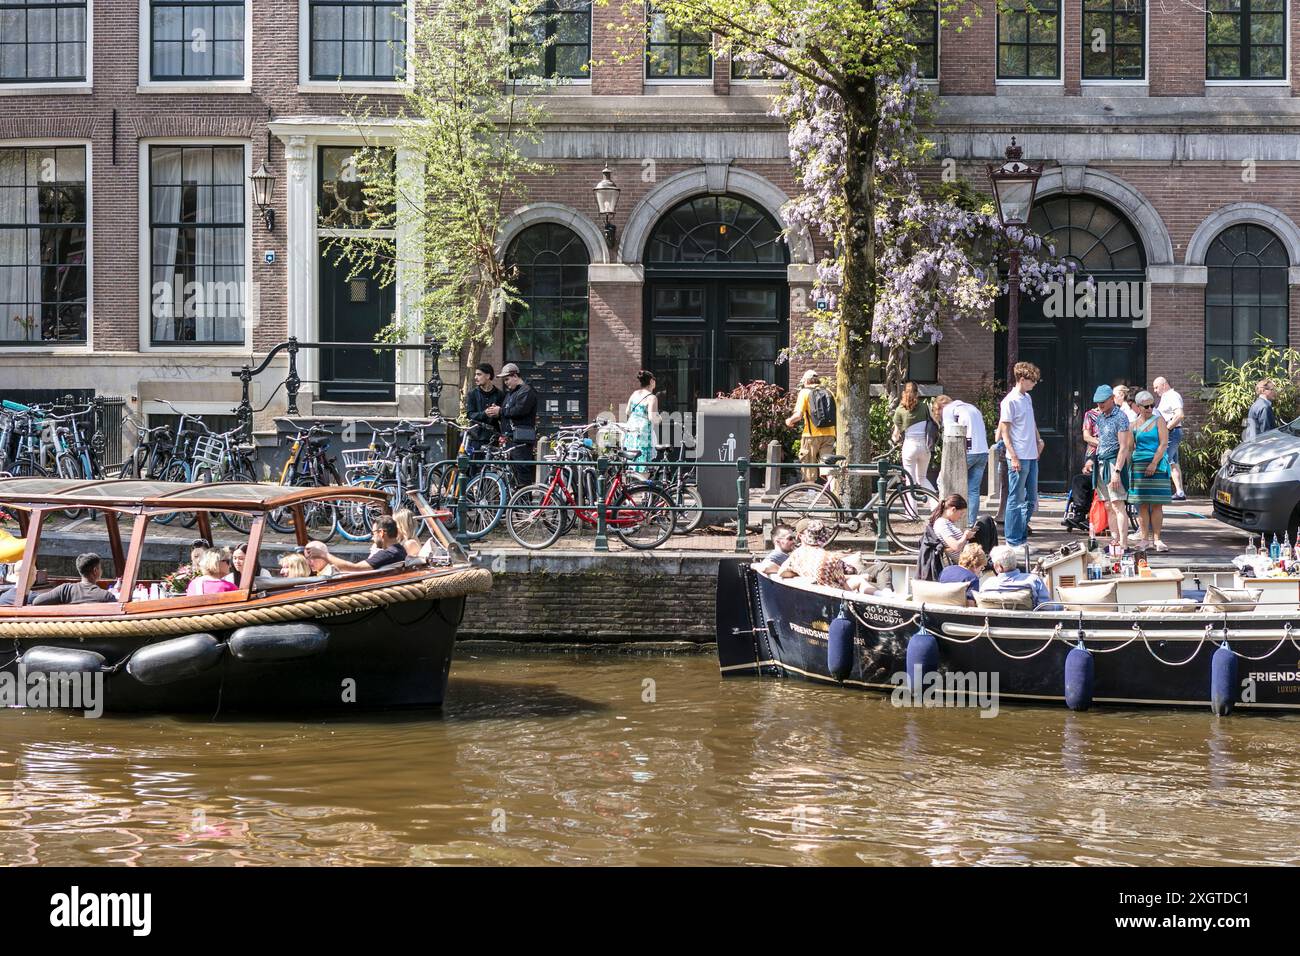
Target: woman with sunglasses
1150	488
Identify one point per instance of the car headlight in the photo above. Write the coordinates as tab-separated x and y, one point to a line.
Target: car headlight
1278	464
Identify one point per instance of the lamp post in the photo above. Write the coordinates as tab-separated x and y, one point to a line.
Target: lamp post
1014	183
263	189
606	202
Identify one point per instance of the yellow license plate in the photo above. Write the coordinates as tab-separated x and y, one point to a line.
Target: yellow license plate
1224	497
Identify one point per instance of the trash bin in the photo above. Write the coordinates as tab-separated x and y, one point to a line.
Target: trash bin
721	435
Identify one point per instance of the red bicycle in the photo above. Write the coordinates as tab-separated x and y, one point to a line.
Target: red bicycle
640	514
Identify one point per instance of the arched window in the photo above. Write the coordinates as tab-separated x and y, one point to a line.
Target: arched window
1245	295
550	273
716	231
1089	233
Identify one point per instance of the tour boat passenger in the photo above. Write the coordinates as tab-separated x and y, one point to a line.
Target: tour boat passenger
1008	577
947	520
784	541
406	531
972	561
85	591
213	564
317	556
294	565
388	549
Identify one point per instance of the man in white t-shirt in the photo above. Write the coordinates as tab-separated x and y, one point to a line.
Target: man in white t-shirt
956	412
1171	409
1018	430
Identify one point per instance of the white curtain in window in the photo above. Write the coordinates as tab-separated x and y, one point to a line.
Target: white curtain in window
221	260
20	252
165	170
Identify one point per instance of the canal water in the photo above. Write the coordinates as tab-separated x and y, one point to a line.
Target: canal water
575	759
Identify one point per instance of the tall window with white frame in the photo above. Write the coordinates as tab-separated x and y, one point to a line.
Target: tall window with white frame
42	41
43	245
555	39
923	33
1246	296
1029	40
1114	39
357	40
193	40
1245	40
672	54
197	245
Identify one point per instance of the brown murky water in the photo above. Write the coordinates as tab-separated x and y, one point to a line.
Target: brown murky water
565	760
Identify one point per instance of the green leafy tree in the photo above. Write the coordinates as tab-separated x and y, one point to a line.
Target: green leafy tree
462	136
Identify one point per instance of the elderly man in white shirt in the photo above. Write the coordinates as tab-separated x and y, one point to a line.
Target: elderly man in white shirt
1171	409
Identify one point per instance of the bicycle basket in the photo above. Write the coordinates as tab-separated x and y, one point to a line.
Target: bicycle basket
207	452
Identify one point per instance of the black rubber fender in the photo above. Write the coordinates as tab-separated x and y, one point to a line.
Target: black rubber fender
279	642
63	660
175	659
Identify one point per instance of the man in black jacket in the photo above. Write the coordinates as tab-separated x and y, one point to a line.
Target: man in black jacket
483	429
517	415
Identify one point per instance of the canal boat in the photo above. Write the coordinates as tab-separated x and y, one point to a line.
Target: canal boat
1182	653
371	639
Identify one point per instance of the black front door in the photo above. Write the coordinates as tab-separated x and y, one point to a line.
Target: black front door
1074	356
706	336
354	310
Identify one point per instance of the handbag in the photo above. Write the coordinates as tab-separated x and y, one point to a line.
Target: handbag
525	436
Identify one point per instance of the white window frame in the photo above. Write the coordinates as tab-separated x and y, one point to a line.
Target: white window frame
1146	54
307	85
1289	12
146	83
1060	51
71	348
43	87
146	245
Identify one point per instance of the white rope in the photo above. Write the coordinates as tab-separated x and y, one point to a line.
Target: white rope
1021	657
1286	635
1190	658
1110	650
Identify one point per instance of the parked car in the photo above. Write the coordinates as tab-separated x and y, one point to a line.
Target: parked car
1258	488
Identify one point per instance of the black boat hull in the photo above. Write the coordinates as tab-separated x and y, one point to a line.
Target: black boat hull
775	628
394	655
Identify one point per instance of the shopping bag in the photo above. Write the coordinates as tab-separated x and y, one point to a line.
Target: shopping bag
1097	516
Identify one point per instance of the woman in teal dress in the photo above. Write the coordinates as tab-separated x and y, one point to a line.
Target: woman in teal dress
642	412
1150	488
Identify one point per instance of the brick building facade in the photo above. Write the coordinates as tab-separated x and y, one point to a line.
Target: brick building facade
1170	158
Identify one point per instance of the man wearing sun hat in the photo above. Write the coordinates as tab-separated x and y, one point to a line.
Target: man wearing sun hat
817	439
1114	450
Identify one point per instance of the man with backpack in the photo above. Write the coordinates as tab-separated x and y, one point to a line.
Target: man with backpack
815	408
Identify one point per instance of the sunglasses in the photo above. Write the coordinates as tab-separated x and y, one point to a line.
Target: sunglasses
1148	407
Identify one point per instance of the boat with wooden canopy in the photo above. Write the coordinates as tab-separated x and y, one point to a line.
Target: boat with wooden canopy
358	639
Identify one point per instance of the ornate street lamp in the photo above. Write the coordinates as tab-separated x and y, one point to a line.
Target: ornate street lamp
606	202
1014	183
263	189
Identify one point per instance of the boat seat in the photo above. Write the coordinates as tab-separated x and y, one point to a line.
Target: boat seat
280	584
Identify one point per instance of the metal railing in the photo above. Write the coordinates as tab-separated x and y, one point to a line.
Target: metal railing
879	471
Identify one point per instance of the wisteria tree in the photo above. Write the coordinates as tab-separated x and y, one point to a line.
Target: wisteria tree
900	259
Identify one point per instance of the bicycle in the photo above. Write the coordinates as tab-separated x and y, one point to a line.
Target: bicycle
309	466
153	452
680	485
908	504
640	514
221	456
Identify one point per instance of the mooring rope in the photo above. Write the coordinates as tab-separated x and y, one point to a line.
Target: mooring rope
1199	644
465	581
1286	635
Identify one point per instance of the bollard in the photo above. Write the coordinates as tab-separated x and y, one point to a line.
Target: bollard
882	510
742	505
602	539
772	476
1000	474
462	479
952	470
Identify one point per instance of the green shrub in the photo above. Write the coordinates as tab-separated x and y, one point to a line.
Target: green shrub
769	406
1204	446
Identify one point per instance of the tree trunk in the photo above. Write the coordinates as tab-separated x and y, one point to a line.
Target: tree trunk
895	369
858	292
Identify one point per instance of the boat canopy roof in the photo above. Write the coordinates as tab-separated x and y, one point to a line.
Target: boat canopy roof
134	495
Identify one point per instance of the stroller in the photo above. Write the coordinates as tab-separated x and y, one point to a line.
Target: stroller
1079	501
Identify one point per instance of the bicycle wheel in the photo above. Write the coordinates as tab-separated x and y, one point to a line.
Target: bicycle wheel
67	466
688	497
908	510
176	471
808	500
322	520
485	504
440	492
354	516
642	517
239	522
532	518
